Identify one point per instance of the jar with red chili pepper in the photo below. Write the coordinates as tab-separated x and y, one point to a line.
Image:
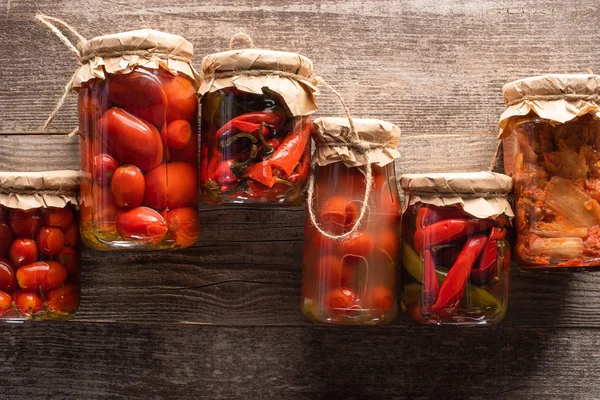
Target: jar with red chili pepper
455	248
39	245
138	120
256	123
351	234
551	132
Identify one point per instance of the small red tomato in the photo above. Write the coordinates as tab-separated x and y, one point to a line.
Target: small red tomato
6	303
69	258
60	217
189	153
359	244
23	252
340	300
177	134
50	240
331	271
132	140
72	235
8	281
65	299
184	226
142	223
6	239
25	223
128	186
182	100
174	184
104	166
44	275
379	298
338	213
28	303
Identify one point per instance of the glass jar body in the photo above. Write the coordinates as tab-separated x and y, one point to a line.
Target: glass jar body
352	281
556	174
455	267
139	152
252	150
39	263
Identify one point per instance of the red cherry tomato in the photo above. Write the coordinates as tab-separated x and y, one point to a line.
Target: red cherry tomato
174	184
69	258
44	275
339	300
332	272
379	298
72	235
8	281
128	186
103	167
182	101
177	134
50	240
359	244
189	153
65	299
140	93
338	213
25	223
142	223
132	140
6	303
23	252
28	303
184	226
60	217
6	239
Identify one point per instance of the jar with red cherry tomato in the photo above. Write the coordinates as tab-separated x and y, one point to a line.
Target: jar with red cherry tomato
455	248
39	245
256	124
138	119
351	234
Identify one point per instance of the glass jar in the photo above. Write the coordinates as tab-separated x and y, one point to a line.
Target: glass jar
139	146
551	132
39	246
455	249
352	279
256	123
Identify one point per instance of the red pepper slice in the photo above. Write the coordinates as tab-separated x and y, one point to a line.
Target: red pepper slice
223	173
291	150
487	264
448	230
453	288
428	215
274	118
431	286
249	127
261	172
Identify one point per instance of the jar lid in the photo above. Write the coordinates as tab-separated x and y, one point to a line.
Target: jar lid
27	190
257	59
556	97
121	52
377	138
462	183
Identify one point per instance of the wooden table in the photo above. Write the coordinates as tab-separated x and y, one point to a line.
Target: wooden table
222	319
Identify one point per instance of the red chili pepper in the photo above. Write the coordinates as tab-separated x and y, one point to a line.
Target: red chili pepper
431	286
453	288
428	215
250	127
291	150
301	170
274	118
448	230
213	163
261	172
223	173
486	269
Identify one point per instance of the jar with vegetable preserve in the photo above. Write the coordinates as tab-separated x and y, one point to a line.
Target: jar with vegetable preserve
455	248
138	116
39	245
351	234
256	122
551	137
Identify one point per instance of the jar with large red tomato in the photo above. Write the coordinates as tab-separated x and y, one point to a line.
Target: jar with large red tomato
351	233
256	123
138	120
39	245
455	248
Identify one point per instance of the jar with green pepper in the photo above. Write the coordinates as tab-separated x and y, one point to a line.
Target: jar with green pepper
256	125
455	248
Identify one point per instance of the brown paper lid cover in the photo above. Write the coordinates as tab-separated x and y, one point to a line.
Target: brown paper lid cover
247	59
25	190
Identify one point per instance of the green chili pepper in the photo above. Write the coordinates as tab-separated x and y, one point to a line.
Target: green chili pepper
238	167
229	141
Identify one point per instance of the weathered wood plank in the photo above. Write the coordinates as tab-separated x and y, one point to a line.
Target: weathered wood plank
429	68
128	361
